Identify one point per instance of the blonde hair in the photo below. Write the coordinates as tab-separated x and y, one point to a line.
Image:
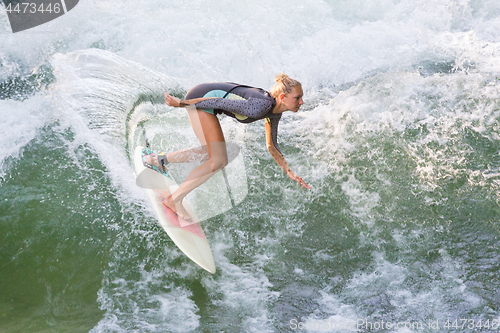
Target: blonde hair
284	85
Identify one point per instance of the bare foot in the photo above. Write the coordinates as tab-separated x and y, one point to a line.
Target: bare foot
176	208
152	159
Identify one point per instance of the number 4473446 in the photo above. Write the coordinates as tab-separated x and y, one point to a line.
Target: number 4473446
32	8
471	324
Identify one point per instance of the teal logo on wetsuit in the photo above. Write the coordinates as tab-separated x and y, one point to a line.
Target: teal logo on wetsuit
26	14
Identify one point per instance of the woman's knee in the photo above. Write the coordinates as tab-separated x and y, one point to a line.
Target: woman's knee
219	162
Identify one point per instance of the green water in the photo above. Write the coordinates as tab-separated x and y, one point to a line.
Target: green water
68	238
56	210
402	223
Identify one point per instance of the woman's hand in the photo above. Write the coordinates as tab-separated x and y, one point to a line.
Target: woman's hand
299	180
172	100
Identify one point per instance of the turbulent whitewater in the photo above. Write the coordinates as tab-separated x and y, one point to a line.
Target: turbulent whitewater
399	137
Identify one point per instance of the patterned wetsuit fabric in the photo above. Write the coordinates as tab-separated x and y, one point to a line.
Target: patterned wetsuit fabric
253	108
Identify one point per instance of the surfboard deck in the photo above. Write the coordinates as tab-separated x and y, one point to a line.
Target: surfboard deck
187	235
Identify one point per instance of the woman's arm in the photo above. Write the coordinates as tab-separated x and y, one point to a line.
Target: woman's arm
178	103
278	157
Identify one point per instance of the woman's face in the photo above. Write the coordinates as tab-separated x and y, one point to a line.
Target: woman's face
293	100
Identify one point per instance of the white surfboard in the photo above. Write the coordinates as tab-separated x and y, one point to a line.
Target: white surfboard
187	235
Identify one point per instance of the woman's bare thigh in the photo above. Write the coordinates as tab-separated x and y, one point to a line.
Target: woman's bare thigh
207	128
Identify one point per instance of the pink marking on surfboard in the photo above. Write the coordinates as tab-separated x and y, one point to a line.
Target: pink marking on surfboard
178	221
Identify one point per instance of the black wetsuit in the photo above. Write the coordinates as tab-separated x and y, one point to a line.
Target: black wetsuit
245	104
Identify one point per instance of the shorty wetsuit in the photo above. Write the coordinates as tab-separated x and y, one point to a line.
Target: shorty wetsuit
245	104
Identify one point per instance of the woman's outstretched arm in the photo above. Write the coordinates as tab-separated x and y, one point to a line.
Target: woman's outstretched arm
278	157
178	103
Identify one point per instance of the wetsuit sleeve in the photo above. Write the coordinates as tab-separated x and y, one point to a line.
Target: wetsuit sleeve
274	131
252	108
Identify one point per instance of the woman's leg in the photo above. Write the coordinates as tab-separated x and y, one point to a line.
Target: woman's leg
207	128
198	154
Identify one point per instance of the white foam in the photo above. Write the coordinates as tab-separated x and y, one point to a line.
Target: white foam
387	283
393	103
140	306
243	293
325	44
19	124
94	93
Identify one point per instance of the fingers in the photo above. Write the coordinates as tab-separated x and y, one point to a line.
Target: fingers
302	183
299	180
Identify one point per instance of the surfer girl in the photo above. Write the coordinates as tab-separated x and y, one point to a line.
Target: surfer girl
245	104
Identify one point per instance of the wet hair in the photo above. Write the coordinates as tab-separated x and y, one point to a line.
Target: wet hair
284	84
